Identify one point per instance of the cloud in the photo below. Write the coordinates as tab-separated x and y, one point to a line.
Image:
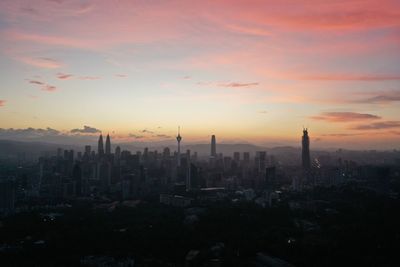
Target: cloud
186	77
63	76
44	86
377	125
88	78
162	136
86	129
341	134
49	88
344	116
2	103
41	62
263	111
136	136
387	97
121	75
36	82
27	133
147	131
236	84
346	77
46	135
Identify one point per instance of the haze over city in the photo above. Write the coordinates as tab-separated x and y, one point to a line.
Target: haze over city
249	72
211	133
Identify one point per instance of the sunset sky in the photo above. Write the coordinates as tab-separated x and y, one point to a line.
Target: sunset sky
246	71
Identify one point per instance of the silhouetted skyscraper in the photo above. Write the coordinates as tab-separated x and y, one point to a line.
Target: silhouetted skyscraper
305	145
188	172
108	145
213	146
88	150
100	146
117	154
179	138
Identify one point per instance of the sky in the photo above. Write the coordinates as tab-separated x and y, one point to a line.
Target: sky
246	71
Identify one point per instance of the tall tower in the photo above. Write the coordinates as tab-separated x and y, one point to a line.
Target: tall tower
108	145
100	146
305	152
179	138
213	146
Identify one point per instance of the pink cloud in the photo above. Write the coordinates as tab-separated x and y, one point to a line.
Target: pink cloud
88	77
236	84
44	86
63	76
377	125
49	88
344	116
348	77
36	82
2	103
41	62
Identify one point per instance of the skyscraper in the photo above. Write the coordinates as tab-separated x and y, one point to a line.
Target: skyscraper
88	150
108	145
100	146
305	145
188	172
213	147
179	138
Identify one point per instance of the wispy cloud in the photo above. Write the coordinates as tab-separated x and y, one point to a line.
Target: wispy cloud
385	97
346	77
377	125
228	84
49	88
344	116
162	136
64	76
238	84
41	62
121	75
36	82
136	136
147	131
2	103
88	77
44	86
341	134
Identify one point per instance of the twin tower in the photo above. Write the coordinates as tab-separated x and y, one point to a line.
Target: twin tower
100	146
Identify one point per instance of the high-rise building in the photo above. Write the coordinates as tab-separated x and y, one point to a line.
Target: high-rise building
7	196
236	156
213	146
108	145
246	157
188	172
166	153
117	154
179	139
87	150
305	152
100	146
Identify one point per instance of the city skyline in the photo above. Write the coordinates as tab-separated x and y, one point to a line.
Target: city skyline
254	72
